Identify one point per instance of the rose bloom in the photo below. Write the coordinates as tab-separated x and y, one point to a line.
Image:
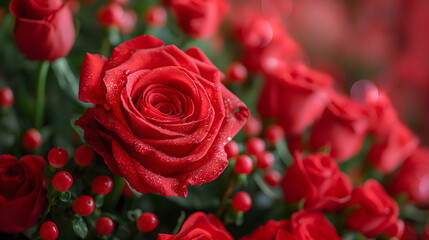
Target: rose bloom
296	96
318	180
268	47
272	230
413	178
22	195
376	211
199	18
114	15
306	225
200	226
341	128
44	30
161	116
393	141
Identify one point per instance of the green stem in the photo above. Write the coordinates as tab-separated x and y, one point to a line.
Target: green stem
264	188
40	94
113	197
225	197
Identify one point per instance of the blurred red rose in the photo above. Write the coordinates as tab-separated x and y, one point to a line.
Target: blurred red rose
22	196
318	180
272	230
161	116
200	226
376	211
393	141
413	178
342	127
396	230
296	96
199	18
114	15
268	46
44	30
388	153
306	225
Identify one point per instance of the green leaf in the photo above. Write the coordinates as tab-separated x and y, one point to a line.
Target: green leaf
99	200
65	196
79	227
49	172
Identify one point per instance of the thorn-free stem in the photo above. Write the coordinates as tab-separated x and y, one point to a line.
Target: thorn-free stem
40	94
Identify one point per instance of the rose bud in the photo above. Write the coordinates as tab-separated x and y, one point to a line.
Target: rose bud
22	195
114	15
296	97
317	179
341	128
272	230
412	178
393	141
161	116
390	151
199	18
205	226
376	211
44	30
312	226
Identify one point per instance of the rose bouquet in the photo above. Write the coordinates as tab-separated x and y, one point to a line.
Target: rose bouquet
214	119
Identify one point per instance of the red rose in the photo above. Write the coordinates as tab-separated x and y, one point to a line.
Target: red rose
44	30
296	96
376	211
342	128
114	15
268	46
389	153
199	18
22	196
413	178
272	230
161	116
318	180
312	225
394	142
200	226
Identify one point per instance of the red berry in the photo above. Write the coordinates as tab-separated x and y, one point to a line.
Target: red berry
236	72
102	184
83	205
156	16
272	178
232	149
49	231
274	133
243	165
254	146
242	201
6	97
83	155
253	127
147	222
32	139
265	160
62	181
58	157
104	226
